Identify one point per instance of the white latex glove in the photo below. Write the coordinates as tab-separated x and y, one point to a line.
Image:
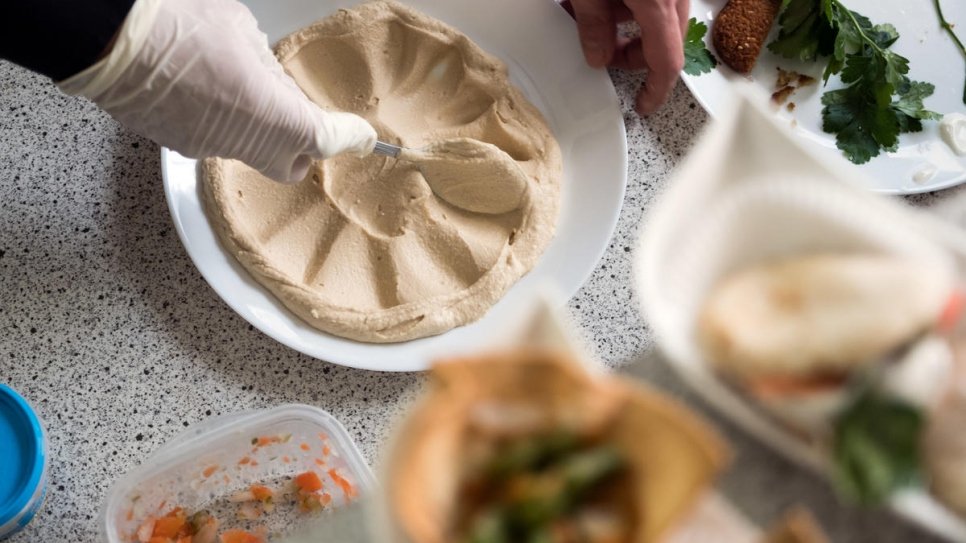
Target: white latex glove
198	76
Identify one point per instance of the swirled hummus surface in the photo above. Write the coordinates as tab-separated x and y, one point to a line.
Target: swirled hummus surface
362	247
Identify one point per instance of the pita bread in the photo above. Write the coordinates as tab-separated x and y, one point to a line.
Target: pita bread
821	314
797	526
673	456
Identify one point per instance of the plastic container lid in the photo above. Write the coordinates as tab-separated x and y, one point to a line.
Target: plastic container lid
22	451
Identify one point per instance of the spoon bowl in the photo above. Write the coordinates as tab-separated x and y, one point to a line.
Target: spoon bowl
466	173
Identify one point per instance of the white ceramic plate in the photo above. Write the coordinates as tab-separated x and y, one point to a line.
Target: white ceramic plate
932	57
538	41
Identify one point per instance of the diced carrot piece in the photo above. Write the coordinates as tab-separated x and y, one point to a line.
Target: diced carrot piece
130	515
169	526
326	450
209	471
262	493
286	459
308	482
305	447
244	461
344	484
325	498
268	440
159	539
184	539
319	461
240	536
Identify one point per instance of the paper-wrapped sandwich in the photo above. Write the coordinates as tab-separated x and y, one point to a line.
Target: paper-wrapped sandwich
816	315
529	446
843	348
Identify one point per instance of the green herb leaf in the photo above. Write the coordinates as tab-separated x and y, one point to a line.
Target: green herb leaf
909	105
697	59
876	447
879	100
805	30
860	126
948	27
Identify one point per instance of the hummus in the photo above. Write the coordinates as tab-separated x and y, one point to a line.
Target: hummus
362	247
471	175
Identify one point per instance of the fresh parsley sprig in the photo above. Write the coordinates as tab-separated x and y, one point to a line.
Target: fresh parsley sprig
879	101
697	59
952	34
876	449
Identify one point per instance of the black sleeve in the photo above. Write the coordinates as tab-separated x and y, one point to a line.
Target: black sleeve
59	38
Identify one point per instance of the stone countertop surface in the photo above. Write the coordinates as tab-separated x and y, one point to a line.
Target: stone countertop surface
113	335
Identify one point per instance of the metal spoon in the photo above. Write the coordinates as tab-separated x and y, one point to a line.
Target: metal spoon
467	173
387	149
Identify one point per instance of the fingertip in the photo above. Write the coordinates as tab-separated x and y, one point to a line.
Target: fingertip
677	64
646	103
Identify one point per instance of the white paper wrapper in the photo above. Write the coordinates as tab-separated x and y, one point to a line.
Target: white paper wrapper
749	193
542	323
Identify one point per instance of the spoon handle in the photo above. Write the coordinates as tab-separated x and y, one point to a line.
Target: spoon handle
387	149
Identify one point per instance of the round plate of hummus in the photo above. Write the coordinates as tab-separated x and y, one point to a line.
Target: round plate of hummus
361	264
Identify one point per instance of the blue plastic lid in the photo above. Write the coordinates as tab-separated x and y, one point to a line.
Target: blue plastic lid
22	453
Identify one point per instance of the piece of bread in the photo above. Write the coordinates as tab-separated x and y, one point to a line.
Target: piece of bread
944	442
740	29
797	526
819	314
672	455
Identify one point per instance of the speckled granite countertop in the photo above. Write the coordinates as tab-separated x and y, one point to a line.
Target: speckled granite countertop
119	343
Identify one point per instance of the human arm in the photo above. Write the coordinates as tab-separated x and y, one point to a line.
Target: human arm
198	76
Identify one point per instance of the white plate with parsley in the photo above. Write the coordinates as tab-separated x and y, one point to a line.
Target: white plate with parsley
919	161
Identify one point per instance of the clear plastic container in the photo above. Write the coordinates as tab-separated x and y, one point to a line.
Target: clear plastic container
209	462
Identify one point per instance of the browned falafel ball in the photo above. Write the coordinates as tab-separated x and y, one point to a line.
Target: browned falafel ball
740	29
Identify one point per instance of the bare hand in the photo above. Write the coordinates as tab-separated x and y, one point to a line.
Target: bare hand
660	48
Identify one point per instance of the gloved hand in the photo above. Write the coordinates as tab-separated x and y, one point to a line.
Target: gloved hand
198	76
